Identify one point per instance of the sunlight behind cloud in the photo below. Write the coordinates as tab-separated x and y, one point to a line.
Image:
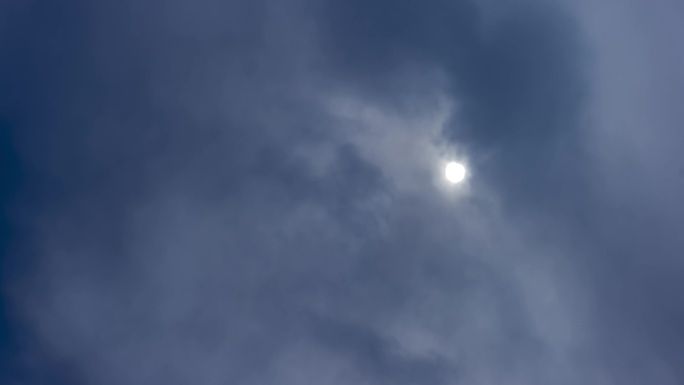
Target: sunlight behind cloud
455	172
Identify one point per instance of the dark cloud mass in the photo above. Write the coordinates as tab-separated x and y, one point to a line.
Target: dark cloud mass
249	192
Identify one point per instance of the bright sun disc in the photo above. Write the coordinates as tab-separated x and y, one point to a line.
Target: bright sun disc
454	172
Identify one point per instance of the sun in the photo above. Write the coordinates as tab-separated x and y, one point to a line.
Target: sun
454	172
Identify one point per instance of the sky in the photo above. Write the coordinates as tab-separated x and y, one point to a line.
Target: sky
251	192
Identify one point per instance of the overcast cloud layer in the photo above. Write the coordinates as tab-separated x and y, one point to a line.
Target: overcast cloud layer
250	192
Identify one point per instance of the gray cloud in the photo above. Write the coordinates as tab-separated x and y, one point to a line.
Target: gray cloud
242	192
518	73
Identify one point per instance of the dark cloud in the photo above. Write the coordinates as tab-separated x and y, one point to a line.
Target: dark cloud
212	192
518	76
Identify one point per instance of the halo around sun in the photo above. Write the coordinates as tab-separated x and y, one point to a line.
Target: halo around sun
454	172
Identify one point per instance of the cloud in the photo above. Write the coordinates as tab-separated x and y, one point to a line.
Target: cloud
517	73
245	192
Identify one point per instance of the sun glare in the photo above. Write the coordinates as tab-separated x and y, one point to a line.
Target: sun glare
454	172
